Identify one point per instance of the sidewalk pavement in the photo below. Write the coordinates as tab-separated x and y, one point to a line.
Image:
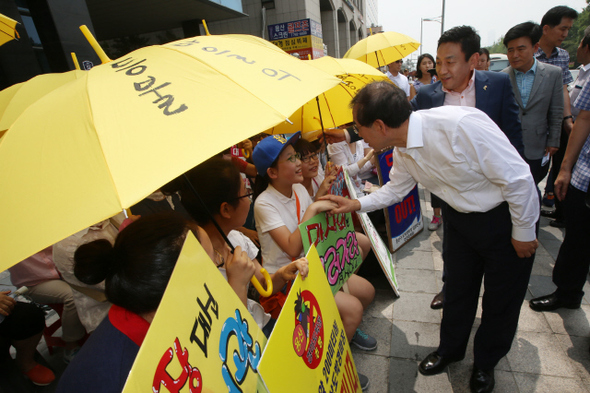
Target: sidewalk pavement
549	353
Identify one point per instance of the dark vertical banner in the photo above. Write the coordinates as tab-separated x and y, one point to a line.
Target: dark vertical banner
403	219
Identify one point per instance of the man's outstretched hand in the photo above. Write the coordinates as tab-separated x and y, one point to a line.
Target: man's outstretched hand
345	205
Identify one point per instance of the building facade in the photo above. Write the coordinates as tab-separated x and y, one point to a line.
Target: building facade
342	21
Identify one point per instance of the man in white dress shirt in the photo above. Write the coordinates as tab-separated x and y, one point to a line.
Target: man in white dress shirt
395	75
491	209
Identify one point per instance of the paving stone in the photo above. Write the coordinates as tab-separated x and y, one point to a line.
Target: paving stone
376	368
539	353
572	322
417	280
380	329
576	348
415	307
382	305
552	247
544	263
404	377
541	285
414	340
415	259
547	384
532	321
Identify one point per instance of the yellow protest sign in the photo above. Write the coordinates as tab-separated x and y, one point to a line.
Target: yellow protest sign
202	339
308	350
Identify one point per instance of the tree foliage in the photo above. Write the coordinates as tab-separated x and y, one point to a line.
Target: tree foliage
577	33
497	46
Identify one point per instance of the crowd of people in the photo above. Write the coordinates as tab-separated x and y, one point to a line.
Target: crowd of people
479	141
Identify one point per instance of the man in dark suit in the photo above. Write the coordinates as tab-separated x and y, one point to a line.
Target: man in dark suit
461	84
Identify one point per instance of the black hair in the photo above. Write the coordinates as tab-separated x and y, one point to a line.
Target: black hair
384	101
137	268
484	51
554	16
304	147
527	29
217	181
466	36
418	70
586	39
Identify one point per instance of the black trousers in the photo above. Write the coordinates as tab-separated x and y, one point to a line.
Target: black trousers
476	246
571	267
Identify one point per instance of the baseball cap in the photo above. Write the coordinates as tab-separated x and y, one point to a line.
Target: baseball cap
268	149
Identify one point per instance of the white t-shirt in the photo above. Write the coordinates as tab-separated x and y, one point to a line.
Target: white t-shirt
341	155
400	81
273	210
237	238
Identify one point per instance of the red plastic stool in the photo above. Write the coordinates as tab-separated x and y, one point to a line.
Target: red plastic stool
48	332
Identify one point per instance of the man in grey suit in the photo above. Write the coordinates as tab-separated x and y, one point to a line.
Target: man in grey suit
538	91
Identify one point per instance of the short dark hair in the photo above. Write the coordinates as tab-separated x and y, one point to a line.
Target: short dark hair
484	51
554	16
586	39
304	147
464	35
217	181
384	101
418	70
527	29
137	268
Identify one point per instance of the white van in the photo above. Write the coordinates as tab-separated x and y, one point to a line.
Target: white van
498	61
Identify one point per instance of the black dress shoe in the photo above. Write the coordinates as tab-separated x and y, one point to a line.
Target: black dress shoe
482	381
552	302
437	302
557	223
548	213
435	364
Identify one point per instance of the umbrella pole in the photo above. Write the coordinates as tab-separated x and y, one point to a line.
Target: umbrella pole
322	124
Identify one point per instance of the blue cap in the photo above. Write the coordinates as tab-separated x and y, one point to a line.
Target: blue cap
269	149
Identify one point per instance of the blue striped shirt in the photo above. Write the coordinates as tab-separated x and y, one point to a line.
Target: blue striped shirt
559	57
524	81
581	173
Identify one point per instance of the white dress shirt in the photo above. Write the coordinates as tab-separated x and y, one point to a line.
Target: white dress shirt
460	154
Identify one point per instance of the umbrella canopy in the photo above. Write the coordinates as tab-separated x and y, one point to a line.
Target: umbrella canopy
16	98
383	48
103	142
7	29
334	103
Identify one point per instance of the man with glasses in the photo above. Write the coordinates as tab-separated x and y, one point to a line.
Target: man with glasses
396	76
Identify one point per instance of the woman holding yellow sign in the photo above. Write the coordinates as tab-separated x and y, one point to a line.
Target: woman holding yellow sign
223	194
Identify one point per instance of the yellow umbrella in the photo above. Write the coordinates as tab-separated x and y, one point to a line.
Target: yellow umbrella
103	142
334	103
7	29
16	98
383	48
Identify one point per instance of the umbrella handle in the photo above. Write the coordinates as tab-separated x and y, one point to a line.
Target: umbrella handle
246	153
258	286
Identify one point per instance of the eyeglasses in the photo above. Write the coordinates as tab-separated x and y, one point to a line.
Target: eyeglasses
244	196
400	61
307	159
294	157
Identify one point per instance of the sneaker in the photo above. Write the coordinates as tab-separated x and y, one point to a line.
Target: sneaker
40	375
364	381
363	341
69	354
435	223
549	199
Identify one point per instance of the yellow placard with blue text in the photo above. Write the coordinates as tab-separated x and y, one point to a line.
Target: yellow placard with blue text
202	338
308	350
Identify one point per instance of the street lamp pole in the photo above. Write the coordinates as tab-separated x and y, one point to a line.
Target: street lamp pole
442	19
422	20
